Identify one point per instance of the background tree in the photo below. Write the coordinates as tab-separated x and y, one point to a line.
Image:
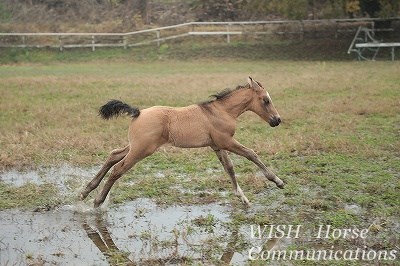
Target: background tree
290	9
389	8
352	7
216	10
380	8
370	7
144	7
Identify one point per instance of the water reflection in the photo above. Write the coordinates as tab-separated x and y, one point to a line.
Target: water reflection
138	232
102	239
96	227
227	256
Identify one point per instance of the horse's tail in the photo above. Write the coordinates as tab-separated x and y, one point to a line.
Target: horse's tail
114	108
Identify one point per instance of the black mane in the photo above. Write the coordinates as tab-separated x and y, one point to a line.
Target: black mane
223	94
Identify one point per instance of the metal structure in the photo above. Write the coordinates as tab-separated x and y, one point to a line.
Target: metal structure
295	28
365	44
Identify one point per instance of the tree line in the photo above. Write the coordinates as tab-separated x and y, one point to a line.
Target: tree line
294	9
130	14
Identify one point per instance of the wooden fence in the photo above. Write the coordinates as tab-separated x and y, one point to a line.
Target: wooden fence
295	28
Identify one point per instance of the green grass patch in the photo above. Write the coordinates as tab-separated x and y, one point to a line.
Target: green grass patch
196	48
337	148
28	196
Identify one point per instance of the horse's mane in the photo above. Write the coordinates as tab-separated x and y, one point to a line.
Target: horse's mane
224	94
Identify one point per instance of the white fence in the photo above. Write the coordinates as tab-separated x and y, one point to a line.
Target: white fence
297	28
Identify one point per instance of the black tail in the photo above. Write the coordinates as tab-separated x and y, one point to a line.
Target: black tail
116	108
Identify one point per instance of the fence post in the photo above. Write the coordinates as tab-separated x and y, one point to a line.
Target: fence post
336	29
301	30
93	43
228	37
61	43
125	40
23	41
158	37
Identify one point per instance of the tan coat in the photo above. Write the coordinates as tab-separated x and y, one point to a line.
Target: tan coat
210	124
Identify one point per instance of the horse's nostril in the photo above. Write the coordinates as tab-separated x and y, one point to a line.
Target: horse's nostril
275	121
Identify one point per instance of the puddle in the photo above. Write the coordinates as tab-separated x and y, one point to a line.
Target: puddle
139	231
353	208
60	176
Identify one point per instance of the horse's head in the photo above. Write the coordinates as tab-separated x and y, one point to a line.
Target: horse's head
262	104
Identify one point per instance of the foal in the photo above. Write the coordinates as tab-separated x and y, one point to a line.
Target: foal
210	124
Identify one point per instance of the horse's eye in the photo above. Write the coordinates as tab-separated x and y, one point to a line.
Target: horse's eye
266	101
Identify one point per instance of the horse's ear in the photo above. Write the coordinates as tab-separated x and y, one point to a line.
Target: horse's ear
253	84
249	80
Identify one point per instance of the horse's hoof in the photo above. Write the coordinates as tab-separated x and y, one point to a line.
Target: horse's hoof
97	203
81	196
247	204
281	185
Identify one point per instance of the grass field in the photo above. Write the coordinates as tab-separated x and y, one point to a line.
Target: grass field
338	148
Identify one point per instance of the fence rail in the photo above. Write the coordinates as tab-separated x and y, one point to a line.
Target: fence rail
299	28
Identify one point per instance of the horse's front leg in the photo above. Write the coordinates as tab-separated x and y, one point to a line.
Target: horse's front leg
239	149
228	166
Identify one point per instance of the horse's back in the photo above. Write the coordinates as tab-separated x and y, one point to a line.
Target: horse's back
181	126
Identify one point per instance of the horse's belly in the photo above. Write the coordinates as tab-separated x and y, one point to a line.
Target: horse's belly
189	138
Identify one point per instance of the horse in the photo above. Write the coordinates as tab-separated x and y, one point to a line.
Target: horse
207	124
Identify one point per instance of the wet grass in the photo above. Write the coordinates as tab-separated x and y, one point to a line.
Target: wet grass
37	198
337	149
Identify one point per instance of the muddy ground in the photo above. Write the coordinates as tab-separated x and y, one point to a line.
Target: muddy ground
142	232
337	149
137	232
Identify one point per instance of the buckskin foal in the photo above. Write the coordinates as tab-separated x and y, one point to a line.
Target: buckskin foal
210	124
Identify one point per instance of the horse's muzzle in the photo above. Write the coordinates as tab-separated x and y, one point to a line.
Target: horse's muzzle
275	121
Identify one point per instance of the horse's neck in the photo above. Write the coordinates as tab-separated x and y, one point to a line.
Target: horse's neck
237	103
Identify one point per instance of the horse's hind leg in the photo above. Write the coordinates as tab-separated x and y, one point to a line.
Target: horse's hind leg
135	155
115	156
228	166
